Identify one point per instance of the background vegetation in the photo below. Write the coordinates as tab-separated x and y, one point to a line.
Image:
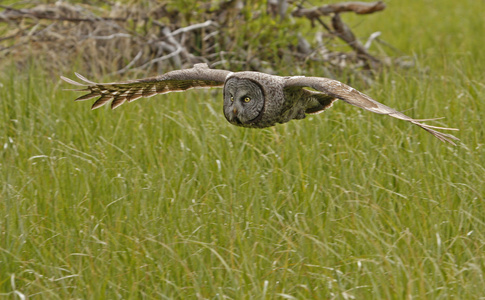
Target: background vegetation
163	198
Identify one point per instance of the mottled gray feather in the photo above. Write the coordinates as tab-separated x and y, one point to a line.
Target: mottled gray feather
350	95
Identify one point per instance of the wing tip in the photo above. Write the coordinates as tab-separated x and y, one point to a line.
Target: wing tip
70	81
444	137
84	79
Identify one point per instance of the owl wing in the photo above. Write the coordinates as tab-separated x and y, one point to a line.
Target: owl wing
200	76
350	95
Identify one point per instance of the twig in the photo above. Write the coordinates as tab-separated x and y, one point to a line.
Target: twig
108	37
371	38
194	26
162	58
128	66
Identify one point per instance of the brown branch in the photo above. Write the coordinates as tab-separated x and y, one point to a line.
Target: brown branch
11	14
340	29
356	7
39	16
344	33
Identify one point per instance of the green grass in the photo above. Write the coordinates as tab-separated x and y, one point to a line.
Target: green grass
163	198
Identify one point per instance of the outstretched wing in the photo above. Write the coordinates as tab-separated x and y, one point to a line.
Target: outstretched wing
200	76
352	96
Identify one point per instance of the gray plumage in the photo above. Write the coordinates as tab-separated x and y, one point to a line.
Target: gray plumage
251	99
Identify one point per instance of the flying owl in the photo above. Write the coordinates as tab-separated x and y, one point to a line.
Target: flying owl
251	99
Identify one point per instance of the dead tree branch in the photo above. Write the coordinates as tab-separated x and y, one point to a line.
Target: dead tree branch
134	38
356	7
340	29
343	32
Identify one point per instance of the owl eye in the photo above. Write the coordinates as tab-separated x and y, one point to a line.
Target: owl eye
232	99
247	99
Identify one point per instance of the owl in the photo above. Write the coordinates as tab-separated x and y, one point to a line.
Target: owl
251	99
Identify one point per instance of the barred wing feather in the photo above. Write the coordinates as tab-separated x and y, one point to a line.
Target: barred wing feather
176	81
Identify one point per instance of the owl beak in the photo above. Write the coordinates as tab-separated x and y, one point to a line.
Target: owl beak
234	111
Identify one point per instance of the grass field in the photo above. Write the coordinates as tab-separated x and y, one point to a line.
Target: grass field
163	199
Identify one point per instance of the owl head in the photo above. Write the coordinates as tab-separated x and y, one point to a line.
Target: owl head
244	101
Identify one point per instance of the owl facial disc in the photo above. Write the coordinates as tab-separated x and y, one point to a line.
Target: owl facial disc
243	101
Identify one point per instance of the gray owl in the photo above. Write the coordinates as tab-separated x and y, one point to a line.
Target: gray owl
251	99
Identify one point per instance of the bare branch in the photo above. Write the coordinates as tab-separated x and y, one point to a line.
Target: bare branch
194	27
356	7
344	33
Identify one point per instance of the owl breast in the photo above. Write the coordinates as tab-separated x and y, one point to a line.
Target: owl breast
244	102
